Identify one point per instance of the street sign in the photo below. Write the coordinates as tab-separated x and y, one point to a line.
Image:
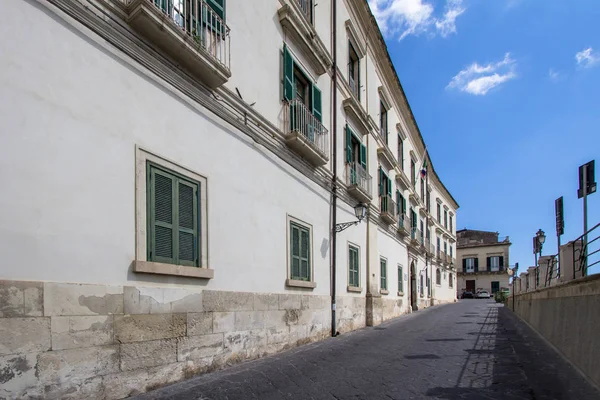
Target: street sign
586	172
560	220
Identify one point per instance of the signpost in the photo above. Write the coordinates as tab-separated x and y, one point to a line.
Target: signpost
560	226
586	186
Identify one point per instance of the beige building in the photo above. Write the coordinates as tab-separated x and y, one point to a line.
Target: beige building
483	261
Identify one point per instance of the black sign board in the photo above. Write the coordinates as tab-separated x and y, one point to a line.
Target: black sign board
560	218
590	179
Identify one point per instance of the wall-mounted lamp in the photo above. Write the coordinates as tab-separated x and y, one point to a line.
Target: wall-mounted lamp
360	210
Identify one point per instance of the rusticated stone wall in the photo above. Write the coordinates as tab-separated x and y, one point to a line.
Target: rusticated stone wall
62	340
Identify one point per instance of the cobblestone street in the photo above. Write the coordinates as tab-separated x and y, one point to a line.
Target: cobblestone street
473	349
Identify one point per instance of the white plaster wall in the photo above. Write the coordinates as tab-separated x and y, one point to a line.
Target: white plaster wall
396	253
72	114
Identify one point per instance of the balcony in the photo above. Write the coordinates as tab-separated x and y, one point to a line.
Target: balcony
388	209
428	246
404	225
416	237
305	134
296	18
439	255
195	36
359	182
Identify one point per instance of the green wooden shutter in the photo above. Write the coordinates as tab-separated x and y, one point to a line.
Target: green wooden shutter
304	255
398	204
348	145
316	103
187	217
161	221
403	205
501	262
295	251
389	186
288	74
489	263
218	6
464	264
358	80
476	264
363	156
380	181
165	5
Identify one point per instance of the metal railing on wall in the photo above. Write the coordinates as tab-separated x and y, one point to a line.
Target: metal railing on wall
586	251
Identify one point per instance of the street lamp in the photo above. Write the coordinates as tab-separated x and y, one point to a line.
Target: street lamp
538	243
360	210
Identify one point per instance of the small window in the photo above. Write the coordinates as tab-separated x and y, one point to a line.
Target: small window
438	277
173	217
353	267
300	252
400	279
383	265
470	265
450	280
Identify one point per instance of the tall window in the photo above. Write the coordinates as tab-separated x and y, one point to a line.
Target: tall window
439	213
383	265
298	89
383	121
495	263
300	252
438	276
173	217
401	152
445	219
413	173
422	286
451	251
445	247
353	267
428	201
470	265
354	71
385	192
451	224
450	280
400	279
356	156
439	247
422	189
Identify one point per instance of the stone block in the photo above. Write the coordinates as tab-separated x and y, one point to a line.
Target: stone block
157	300
18	376
317	302
148	354
298	332
290	301
199	323
245	341
213	300
199	347
84	331
55	367
132	383
265	302
21	299
24	335
62	299
89	388
139	328
223	322
249	320
278	335
276	318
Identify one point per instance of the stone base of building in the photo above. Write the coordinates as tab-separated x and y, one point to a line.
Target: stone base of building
63	340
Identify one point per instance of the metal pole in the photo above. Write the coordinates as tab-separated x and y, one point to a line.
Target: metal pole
585	252
334	162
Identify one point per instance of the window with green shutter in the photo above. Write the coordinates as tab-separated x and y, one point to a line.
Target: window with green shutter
383	264
296	85
299	252
353	267
173	217
400	279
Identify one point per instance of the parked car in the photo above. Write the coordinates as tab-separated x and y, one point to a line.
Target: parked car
483	294
467	295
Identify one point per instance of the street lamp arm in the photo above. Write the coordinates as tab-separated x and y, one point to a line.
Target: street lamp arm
345	225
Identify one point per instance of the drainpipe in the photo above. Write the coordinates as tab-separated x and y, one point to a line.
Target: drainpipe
334	157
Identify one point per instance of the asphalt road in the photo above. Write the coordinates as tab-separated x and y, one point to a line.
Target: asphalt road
473	349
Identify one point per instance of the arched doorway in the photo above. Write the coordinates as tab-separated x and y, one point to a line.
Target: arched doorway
413	287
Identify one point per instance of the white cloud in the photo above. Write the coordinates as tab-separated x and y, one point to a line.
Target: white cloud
413	17
587	58
479	79
553	75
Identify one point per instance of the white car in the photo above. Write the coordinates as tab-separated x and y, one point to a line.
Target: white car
484	294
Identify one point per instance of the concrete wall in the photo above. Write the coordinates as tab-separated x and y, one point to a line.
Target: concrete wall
567	316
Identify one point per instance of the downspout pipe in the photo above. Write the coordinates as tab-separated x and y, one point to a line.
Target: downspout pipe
334	161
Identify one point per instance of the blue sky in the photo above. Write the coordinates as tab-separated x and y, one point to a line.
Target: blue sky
507	96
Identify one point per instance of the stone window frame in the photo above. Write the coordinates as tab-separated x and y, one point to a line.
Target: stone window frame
438	277
400	269
289	282
382	290
141	263
357	289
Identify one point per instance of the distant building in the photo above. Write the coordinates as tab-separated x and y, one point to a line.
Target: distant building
483	261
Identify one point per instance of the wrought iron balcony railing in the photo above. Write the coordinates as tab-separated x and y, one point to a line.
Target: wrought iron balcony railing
416	235
388	208
300	123
357	176
404	224
199	21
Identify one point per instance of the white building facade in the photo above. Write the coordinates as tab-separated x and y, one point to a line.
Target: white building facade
172	174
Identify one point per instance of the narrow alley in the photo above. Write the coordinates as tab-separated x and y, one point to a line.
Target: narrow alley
473	349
